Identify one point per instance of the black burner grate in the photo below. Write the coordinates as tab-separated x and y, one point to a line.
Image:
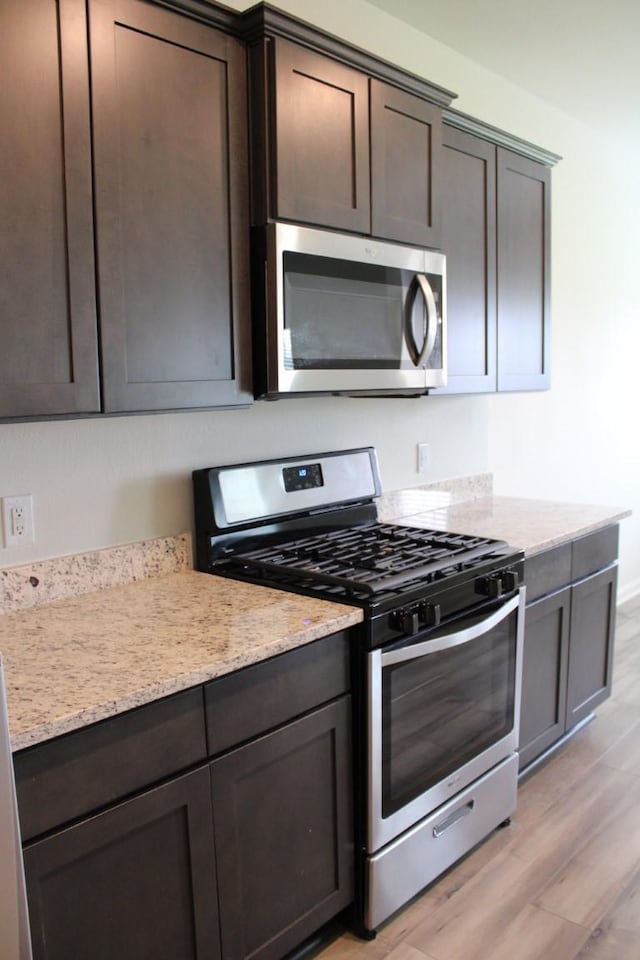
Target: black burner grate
371	558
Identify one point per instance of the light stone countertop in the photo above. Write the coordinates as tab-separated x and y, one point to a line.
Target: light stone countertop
75	661
530	525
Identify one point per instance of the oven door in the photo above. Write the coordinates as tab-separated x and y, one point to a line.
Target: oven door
442	712
349	314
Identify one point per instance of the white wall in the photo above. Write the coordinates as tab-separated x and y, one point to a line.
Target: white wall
100	482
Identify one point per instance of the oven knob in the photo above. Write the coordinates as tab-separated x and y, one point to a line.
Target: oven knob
408	620
430	614
489	586
510	580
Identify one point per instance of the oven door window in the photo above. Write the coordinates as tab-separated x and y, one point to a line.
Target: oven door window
442	709
344	315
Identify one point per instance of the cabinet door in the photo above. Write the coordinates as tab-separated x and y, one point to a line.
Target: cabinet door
593	604
524	216
134	882
171	208
406	145
282	812
48	361
468	197
544	674
321	140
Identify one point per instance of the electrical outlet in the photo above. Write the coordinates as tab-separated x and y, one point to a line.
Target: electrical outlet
424	457
17	519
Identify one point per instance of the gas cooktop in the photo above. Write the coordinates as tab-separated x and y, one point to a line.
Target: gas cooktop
368	559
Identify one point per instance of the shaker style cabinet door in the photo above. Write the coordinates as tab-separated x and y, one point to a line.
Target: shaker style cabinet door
524	218
593	611
544	674
283	835
320	140
406	150
134	882
468	192
48	360
171	171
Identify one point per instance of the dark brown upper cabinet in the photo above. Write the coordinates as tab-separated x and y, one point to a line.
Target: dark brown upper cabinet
496	235
337	148
406	152
468	192
160	99
171	183
320	140
524	228
49	357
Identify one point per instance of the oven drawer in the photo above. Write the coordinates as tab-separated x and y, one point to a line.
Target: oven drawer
401	869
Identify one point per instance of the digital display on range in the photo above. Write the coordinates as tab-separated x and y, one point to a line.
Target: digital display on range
302	478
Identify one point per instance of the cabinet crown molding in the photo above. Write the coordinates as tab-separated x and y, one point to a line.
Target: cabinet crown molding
265	20
462	121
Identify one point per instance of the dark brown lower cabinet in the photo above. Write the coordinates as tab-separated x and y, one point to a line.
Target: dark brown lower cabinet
282	811
593	608
568	640
215	822
544	674
134	882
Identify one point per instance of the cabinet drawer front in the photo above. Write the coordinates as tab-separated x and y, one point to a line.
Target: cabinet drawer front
261	697
594	552
66	778
547	571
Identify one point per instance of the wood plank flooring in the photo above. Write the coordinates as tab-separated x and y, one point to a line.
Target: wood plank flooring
563	881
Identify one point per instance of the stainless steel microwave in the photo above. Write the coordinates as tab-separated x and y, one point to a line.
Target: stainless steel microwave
346	314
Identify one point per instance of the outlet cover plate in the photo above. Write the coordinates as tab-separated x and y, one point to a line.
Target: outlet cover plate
17	520
424	457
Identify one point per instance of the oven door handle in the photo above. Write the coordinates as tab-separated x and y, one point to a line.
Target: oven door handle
416	650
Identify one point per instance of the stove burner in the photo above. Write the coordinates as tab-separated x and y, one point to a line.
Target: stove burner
371	558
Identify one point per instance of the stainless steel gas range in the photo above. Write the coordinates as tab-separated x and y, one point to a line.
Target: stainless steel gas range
436	664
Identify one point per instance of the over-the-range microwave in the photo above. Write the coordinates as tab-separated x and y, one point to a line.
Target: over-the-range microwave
344	314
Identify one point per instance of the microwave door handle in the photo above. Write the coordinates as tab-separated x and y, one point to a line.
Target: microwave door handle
432	318
417	650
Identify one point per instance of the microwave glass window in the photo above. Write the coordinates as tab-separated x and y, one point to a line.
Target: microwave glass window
340	314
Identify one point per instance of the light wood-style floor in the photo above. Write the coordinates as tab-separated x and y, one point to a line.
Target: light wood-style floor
563	881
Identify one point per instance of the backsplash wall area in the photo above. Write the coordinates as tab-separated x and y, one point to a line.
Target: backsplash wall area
97	483
101	482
